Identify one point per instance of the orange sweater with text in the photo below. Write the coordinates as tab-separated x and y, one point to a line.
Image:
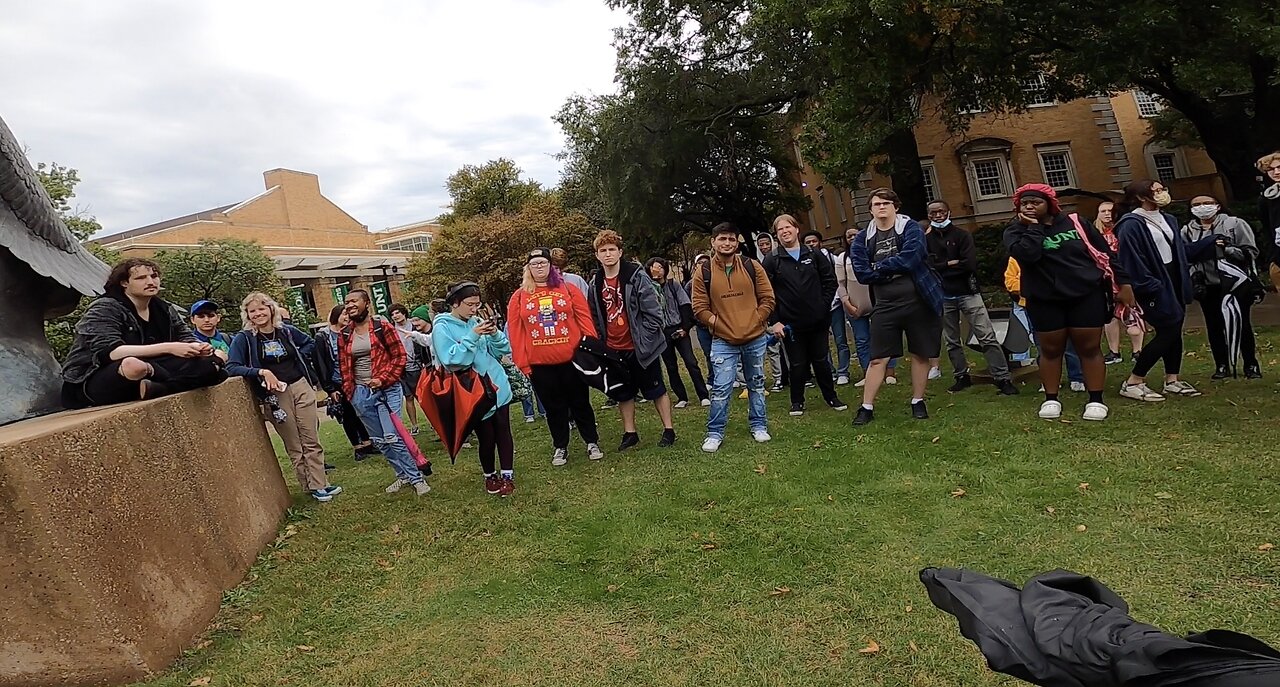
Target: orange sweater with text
545	326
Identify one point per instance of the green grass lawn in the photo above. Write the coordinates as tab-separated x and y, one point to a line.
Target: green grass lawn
765	564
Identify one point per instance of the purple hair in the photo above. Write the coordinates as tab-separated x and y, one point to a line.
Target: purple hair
554	278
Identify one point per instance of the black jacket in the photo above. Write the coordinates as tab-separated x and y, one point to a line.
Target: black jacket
1269	211
803	288
953	243
1056	266
1067	630
326	367
111	322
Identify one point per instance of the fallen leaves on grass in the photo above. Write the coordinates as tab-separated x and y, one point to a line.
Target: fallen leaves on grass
612	588
817	444
384	563
203	645
780	591
936	440
1266	547
1084	486
1081	528
395	529
707	546
1163	495
304	648
912	646
200	681
761	469
872	647
256	617
1050	510
958	493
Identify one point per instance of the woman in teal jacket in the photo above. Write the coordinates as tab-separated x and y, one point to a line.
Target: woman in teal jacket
461	340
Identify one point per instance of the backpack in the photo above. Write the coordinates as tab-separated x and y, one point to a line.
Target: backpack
378	331
748	264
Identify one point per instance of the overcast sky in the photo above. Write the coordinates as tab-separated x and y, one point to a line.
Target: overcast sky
168	108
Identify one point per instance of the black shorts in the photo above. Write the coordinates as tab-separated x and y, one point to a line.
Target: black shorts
1086	312
409	382
644	381
921	325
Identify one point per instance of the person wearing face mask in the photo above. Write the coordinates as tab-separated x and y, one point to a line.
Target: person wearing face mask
1218	280
1269	208
953	256
1157	261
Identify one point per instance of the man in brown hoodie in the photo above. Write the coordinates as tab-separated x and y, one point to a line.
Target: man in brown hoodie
732	297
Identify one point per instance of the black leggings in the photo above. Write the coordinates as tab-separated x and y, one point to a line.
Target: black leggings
1166	345
351	424
806	348
495	435
565	395
1216	328
684	348
171	374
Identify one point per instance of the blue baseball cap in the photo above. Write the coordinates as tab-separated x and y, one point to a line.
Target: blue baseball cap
204	305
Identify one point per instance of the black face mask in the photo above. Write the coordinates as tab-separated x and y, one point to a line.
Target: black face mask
359	317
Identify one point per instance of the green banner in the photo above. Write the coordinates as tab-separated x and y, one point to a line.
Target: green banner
381	294
340	292
297	302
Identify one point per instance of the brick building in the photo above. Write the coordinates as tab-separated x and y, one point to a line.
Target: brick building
1093	144
320	251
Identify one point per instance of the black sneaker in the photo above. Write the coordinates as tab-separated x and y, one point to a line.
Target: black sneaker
963	382
863	417
1006	388
797	409
1253	372
1222	372
918	411
629	439
668	438
1113	359
837	404
329	467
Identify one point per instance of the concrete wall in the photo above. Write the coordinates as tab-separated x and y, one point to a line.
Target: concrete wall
121	527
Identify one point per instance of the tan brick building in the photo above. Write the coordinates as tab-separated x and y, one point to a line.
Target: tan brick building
1093	144
320	251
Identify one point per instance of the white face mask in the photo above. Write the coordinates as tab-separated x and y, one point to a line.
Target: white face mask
939	224
1204	211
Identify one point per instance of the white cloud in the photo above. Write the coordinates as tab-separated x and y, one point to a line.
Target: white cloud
169	108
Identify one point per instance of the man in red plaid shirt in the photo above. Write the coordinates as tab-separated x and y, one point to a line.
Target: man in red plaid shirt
371	358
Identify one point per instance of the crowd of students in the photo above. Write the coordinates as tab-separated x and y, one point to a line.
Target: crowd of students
1072	281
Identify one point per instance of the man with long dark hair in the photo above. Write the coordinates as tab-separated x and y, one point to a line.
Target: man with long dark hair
130	345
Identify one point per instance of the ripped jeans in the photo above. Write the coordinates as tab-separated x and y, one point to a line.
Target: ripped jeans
725	358
375	409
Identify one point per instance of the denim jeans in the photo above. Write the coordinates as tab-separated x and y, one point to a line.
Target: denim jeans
861	327
840	334
376	417
1075	373
527	404
704	340
726	357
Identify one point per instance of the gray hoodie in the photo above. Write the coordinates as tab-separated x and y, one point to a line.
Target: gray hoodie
1241	251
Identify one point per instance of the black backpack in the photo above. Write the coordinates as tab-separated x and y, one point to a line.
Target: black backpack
748	264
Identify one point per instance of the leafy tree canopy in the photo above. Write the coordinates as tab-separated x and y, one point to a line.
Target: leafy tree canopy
495	186
223	270
60	183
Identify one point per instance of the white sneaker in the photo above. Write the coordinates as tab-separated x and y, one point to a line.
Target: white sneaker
706	403
1180	388
682	404
594	452
711	444
761	436
1095	411
1050	410
422	488
861	383
1139	392
935	373
1077	387
891	380
560	457
529	419
396	486
842	380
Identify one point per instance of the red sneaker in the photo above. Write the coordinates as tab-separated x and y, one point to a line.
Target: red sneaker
508	487
493	483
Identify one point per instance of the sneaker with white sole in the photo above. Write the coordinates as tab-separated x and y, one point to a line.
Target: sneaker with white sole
321	495
1139	392
594	452
1180	388
1077	387
529	419
761	436
935	373
560	457
682	404
842	380
422	488
711	444
891	380
396	486
1095	411
861	383
1050	410
706	403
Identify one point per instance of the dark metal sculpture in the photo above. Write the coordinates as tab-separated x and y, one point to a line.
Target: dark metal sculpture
43	273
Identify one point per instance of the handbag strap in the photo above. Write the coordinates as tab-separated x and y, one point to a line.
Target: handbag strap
1100	259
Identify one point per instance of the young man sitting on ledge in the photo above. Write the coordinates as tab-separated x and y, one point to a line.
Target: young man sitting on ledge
129	345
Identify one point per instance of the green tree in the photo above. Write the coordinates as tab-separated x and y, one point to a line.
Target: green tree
495	186
62	331
60	183
465	250
223	270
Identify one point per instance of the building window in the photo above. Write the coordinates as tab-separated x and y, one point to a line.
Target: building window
1148	105
1037	91
989	177
930	176
1166	166
416	243
844	217
822	203
1056	164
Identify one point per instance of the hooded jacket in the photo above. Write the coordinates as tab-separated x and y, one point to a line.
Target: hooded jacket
741	306
109	323
1163	302
911	260
644	313
457	347
1269	211
803	287
1241	248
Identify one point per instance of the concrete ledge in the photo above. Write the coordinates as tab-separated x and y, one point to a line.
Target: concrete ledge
121	527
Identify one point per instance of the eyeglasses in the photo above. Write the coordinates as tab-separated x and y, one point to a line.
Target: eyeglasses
881	204
539	263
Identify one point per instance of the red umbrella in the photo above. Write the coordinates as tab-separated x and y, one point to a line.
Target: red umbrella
454	402
411	444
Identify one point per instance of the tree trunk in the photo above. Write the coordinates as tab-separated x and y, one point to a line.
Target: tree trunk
904	171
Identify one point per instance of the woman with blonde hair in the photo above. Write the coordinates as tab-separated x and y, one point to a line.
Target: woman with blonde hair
274	357
1269	207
